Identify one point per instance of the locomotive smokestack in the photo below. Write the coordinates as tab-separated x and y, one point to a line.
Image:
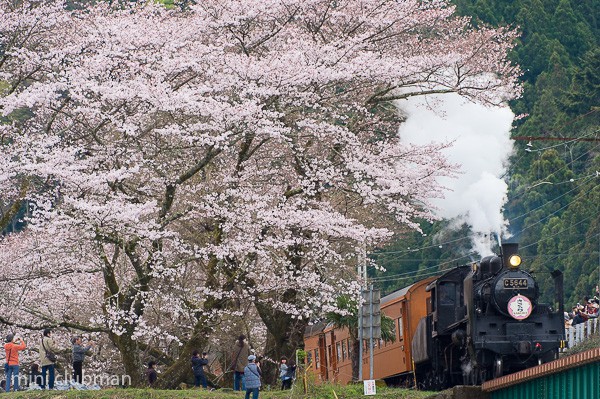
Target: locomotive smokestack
508	249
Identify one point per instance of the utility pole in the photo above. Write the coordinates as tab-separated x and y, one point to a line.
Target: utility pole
371	322
362	275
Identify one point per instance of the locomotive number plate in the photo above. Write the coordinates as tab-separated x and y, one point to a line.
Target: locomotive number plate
515	283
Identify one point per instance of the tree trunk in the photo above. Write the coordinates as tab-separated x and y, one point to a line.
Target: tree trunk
284	336
130	357
181	370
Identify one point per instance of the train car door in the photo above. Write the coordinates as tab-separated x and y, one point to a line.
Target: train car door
321	359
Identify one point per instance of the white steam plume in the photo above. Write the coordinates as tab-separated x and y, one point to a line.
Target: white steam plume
481	146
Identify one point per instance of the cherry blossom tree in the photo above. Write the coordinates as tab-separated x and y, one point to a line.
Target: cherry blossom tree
179	163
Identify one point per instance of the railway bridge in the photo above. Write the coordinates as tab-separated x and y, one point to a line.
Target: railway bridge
571	377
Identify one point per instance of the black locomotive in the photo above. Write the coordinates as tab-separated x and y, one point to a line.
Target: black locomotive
485	321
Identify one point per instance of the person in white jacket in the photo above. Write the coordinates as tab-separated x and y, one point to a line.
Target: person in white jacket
48	350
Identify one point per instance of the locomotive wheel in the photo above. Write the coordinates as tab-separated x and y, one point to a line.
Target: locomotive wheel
430	381
498	367
470	376
441	380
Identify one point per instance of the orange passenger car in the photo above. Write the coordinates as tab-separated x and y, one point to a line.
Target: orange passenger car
329	349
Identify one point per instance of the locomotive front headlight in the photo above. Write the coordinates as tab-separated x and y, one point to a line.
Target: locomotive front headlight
514	261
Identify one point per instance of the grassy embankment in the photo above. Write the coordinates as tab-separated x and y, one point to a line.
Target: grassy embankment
315	392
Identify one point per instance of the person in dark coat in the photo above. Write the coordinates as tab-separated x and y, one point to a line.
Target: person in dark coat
35	376
198	364
290	374
151	374
252	375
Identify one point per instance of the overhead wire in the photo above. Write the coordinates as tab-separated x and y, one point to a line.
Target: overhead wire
577	197
451	261
564	143
413	274
420	248
393	254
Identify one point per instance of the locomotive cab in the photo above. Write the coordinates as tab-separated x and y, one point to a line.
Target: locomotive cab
486	321
447	300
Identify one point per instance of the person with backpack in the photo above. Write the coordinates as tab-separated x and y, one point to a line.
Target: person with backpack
48	350
252	375
12	347
198	364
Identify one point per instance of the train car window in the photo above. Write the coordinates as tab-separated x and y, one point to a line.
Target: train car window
317	362
447	293
400	329
338	350
344	350
428	305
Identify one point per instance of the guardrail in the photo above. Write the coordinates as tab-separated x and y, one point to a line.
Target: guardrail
581	332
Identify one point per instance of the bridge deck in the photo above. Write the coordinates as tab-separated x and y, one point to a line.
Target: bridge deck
571	384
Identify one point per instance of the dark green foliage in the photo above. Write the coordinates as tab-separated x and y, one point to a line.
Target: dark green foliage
554	190
584	94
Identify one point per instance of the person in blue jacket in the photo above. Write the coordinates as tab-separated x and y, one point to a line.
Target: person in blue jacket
252	377
198	364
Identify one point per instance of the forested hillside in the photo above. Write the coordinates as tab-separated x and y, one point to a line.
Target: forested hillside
554	188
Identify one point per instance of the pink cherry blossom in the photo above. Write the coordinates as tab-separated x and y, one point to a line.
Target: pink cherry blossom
230	153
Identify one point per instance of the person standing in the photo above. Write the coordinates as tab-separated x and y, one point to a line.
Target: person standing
198	364
12	347
79	352
48	350
252	375
241	351
151	374
289	375
35	376
283	371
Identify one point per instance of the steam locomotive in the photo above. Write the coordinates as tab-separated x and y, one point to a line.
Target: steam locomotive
471	324
486	321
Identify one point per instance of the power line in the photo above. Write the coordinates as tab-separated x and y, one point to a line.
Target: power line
393	254
383	278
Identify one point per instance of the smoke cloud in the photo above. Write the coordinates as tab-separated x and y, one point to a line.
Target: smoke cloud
481	145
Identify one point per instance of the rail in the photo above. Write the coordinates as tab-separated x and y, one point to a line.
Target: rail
580	332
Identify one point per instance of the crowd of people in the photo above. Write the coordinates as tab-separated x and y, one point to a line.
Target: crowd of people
587	309
247	372
243	364
45	377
